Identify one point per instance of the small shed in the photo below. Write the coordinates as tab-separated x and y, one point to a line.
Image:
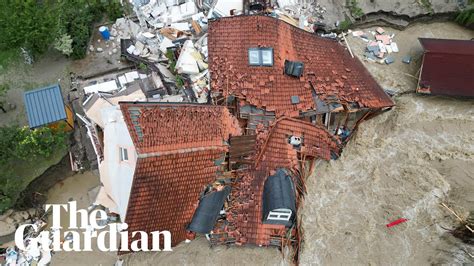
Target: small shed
447	68
279	199
45	107
208	210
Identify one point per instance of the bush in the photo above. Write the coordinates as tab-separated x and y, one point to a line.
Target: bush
345	25
22	146
35	25
466	18
355	10
21	143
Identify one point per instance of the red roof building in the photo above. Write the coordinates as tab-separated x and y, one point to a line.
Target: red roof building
447	68
287	83
247	57
179	149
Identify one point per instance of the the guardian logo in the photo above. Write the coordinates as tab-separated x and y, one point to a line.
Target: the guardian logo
107	239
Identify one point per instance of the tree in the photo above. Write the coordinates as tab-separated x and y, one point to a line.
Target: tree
28	23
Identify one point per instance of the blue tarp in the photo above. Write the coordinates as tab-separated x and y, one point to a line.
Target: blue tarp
44	106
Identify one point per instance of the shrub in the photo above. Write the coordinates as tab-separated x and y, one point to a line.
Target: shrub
466	18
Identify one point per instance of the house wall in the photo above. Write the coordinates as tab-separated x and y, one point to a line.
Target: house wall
115	175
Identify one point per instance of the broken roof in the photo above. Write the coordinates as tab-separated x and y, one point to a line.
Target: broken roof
327	66
448	67
274	149
245	210
179	148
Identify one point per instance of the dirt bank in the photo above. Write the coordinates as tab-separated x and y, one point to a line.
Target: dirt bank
400	164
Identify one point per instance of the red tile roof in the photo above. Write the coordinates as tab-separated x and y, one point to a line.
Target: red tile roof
165	127
275	151
245	210
327	66
179	152
165	191
448	67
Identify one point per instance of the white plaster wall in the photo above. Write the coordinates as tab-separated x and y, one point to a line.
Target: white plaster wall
117	176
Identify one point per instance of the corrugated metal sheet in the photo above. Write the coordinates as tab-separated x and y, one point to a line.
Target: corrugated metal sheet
44	106
448	67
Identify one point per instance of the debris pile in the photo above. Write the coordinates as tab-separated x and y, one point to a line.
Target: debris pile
169	40
307	15
380	45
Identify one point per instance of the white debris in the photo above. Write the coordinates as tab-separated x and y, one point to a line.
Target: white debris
165	44
382	47
224	7
107	86
285	3
187	63
149	35
131	49
394	47
183	26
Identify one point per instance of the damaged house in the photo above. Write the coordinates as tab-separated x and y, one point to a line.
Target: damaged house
264	68
234	168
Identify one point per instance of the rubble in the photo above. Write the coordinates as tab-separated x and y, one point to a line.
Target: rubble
380	45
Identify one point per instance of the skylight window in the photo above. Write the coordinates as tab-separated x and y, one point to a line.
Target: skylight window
261	56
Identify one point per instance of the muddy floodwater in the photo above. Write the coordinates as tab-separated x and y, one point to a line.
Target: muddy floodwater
401	164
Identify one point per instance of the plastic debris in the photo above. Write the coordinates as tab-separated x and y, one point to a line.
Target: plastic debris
406	59
396	222
389	60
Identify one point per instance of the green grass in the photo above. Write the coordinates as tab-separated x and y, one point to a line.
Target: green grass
8	57
466	17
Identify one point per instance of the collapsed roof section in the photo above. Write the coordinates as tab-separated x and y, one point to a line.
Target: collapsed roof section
179	148
329	71
276	148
